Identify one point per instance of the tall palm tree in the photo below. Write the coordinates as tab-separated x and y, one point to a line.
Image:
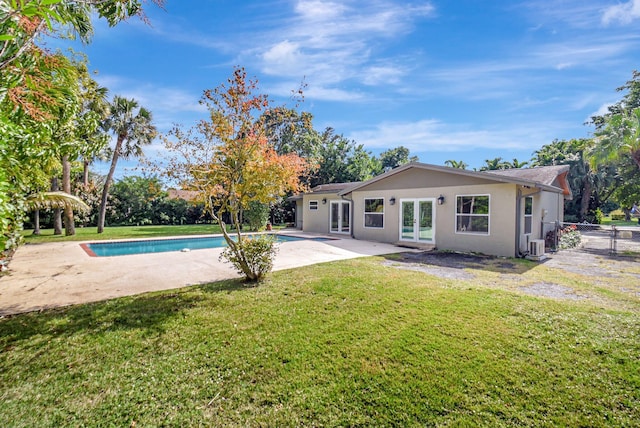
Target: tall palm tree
495	163
517	164
619	138
456	164
133	128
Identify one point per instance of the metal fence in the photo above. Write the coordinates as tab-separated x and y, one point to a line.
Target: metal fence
592	238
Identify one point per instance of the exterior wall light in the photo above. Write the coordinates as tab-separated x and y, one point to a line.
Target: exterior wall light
392	200
440	200
324	201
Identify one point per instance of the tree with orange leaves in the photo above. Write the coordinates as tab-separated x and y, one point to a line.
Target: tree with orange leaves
230	162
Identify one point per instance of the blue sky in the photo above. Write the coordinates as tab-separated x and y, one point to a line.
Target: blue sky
465	80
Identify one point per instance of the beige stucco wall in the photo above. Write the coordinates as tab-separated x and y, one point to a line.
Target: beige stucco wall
299	214
500	240
318	221
420	183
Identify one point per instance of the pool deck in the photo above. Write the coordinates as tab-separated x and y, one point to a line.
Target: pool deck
59	274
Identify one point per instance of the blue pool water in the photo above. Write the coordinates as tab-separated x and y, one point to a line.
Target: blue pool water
107	249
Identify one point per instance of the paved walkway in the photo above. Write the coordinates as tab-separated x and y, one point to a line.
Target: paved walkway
60	274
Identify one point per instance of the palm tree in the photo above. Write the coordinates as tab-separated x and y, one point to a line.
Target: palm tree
517	164
456	164
619	138
132	131
96	106
52	200
495	163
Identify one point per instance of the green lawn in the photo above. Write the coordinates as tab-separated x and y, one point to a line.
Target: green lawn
607	221
122	232
353	343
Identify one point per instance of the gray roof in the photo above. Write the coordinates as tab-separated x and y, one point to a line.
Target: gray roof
542	174
325	188
334	187
519	177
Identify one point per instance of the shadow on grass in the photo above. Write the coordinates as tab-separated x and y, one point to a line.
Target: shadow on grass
148	313
228	285
452	260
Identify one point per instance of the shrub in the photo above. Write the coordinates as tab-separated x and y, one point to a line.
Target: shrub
597	216
617	215
569	237
255	253
257	215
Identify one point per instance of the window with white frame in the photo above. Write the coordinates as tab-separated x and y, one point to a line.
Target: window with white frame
374	212
313	205
528	214
472	214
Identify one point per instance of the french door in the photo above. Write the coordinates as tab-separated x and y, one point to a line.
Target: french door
340	217
417	220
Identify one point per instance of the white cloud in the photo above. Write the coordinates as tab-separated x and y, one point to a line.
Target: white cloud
431	135
334	42
376	75
283	53
624	13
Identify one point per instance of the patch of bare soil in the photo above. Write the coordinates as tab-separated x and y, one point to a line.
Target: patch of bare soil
451	265
546	289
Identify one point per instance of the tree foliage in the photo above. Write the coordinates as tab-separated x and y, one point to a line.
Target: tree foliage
456	164
591	186
229	160
393	158
38	93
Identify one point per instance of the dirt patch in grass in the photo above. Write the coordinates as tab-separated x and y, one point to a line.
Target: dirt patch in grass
547	289
593	271
452	265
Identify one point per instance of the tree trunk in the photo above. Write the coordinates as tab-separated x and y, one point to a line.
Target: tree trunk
636	157
36	222
107	185
57	213
85	174
69	222
586	198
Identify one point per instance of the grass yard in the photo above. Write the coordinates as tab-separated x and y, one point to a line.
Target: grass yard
607	221
352	343
122	232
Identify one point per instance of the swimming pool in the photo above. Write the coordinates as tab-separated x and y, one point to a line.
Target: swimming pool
124	248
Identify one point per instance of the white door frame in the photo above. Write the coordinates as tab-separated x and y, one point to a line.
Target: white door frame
416	216
340	220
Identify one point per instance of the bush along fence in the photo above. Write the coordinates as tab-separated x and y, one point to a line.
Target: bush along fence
591	237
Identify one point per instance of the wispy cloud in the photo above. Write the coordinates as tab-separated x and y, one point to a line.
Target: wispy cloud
334	42
623	13
167	104
431	135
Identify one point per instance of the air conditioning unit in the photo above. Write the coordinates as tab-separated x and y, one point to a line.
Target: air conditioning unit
536	247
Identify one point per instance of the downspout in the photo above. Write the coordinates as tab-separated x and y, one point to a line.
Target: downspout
351	214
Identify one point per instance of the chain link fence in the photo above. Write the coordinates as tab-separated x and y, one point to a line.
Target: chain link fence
595	238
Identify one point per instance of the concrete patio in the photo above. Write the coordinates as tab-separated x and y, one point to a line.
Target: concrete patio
52	275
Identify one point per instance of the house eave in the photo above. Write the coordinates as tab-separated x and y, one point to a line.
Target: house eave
456	171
